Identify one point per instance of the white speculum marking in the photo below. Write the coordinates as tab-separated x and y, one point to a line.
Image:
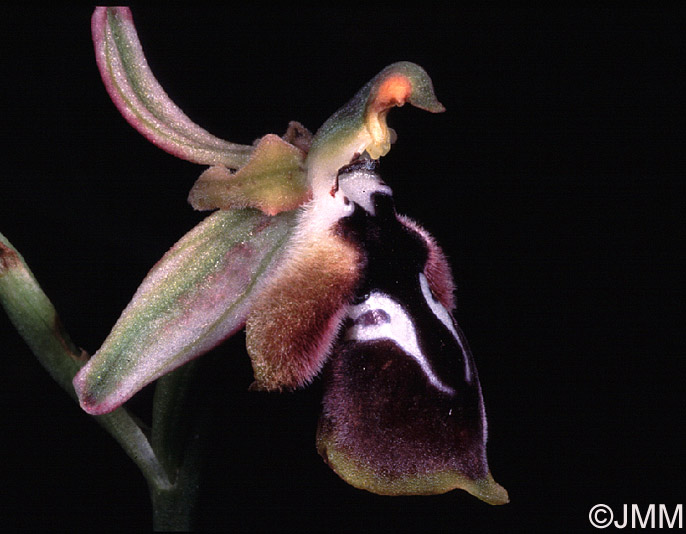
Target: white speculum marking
381	317
444	316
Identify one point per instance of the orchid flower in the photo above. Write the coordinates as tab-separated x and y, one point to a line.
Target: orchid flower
306	251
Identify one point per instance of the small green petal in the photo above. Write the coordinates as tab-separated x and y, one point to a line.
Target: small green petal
272	181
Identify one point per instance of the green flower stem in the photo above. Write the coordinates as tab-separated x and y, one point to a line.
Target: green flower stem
130	436
34	316
170	418
175	441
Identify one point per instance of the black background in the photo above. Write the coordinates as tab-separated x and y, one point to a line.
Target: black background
553	182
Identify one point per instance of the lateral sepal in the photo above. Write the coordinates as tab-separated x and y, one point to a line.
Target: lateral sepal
197	295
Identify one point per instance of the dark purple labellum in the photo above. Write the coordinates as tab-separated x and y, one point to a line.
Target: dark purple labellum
403	411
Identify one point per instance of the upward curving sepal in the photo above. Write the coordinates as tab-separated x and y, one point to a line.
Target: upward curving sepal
142	100
197	295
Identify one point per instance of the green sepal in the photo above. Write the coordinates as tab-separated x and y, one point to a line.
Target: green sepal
143	102
197	295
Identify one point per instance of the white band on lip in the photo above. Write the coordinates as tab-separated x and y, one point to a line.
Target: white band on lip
444	316
397	326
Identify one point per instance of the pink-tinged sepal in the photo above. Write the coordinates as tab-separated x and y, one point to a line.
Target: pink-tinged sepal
197	295
402	411
144	103
271	173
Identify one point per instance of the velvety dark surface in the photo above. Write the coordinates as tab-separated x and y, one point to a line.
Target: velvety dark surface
382	411
554	183
379	407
